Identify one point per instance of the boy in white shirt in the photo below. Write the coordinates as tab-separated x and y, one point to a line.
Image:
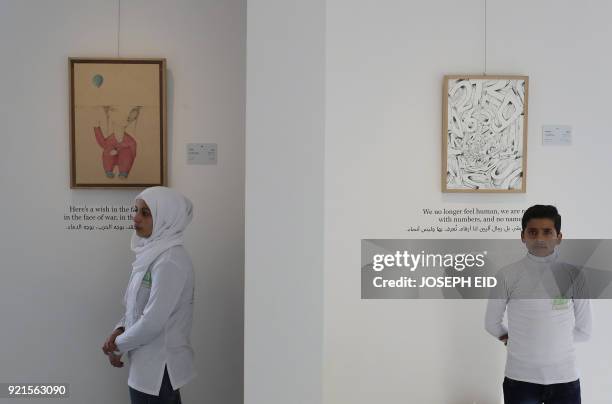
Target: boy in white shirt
545	317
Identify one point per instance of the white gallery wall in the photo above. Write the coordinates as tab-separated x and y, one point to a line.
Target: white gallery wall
284	201
384	64
61	290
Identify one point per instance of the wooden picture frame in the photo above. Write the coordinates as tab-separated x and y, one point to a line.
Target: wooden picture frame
484	133
118	123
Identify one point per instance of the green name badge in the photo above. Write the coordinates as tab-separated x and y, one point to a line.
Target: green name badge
560	303
147	281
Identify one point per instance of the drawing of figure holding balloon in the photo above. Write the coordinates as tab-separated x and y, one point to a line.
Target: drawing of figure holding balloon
117	123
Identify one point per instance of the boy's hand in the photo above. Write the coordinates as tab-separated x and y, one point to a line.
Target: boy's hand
504	339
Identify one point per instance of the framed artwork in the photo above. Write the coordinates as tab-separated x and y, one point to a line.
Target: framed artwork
117	123
484	144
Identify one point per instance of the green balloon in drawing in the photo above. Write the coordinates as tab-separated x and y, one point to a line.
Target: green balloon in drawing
97	80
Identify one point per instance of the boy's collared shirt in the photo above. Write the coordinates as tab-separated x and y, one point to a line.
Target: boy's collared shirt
547	312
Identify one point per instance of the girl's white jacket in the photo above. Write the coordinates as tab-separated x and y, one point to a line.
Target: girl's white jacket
158	319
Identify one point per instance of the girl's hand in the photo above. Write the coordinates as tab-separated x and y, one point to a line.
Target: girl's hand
109	345
115	360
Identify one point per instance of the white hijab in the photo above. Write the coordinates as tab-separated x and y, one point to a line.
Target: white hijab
171	213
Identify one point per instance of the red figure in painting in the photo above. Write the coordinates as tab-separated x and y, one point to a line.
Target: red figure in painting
119	148
116	153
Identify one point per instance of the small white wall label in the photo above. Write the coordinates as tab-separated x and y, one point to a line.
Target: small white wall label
201	153
556	135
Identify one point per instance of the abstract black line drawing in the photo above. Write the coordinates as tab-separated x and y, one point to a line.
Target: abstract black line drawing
485	130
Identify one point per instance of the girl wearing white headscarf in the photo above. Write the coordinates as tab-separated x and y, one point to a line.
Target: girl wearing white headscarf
155	330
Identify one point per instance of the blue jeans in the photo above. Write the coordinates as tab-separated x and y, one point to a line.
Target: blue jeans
166	394
516	392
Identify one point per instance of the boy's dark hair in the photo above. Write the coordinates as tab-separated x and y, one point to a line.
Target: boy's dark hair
542	212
